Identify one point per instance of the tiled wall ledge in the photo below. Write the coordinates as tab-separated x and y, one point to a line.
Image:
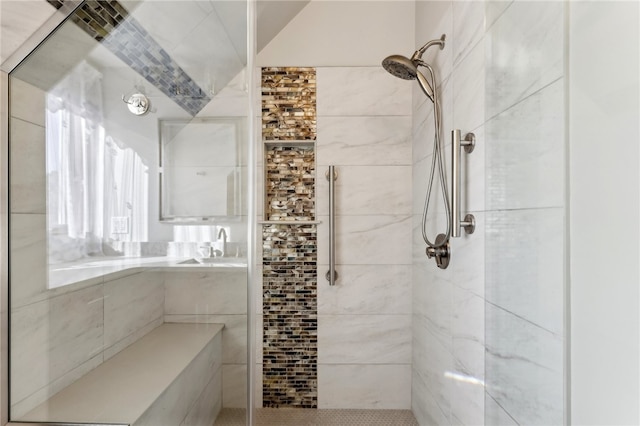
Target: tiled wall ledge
107	268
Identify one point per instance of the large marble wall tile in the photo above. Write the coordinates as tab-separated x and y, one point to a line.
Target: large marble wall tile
28	258
421	173
423	129
467	330
364	386
220	292
433	360
495	414
231	101
20	20
234	333
525	152
52	337
467	403
468	28
423	405
28	102
366	289
353	141
19	409
205	410
364	339
525	51
493	10
433	305
27	157
468	259
132	338
434	18
173	405
367	190
524	267
131	303
468	89
367	240
234	386
349	91
524	368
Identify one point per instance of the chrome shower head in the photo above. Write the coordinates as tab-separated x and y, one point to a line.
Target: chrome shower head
400	66
407	69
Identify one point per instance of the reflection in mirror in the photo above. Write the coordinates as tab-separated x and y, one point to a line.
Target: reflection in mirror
200	174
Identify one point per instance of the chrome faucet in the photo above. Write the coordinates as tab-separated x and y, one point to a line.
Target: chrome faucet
223	233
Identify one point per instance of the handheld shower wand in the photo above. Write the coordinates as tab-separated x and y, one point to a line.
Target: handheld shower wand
407	69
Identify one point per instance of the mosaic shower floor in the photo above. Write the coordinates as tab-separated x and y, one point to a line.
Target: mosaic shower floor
310	417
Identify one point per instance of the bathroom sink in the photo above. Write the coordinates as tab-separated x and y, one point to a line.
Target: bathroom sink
222	261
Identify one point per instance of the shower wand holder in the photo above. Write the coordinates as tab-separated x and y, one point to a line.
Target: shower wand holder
441	251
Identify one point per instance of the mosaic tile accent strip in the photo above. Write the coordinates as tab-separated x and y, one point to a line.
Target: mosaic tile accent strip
288	103
289	181
290	315
290	258
109	23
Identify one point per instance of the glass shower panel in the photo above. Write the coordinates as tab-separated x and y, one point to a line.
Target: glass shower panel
116	313
525	219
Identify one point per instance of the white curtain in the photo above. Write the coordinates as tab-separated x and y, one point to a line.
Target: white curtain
91	178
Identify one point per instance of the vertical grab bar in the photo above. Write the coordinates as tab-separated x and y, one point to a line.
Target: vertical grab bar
331	274
469	143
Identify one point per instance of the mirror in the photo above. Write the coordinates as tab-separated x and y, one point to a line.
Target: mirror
200	177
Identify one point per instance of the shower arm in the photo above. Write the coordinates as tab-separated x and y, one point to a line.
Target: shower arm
417	55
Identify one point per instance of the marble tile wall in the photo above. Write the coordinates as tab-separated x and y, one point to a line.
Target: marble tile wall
56	340
364	321
219	298
502	79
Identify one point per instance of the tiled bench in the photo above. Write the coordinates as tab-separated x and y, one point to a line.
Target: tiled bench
170	377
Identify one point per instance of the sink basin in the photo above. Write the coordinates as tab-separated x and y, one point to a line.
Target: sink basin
221	261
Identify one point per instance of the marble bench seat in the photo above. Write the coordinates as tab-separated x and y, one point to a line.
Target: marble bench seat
170	377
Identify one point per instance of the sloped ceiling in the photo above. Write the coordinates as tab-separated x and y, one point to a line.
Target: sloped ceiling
19	20
273	16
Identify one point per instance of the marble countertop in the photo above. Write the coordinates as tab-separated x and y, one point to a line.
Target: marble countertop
101	268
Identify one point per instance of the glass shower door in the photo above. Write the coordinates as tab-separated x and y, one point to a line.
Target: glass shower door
525	228
129	202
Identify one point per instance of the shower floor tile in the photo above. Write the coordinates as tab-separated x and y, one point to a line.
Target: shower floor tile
310	417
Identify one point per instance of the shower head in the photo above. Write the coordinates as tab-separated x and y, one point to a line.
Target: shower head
407	69
400	66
